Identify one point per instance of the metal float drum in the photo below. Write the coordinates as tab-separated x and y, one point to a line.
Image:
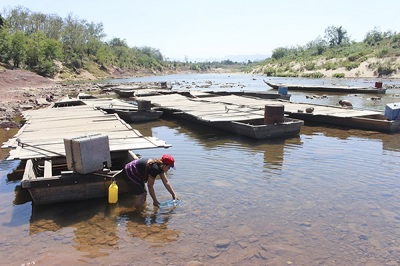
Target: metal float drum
144	105
274	114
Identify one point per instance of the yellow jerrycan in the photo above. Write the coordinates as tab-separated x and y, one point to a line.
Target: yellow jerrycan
113	192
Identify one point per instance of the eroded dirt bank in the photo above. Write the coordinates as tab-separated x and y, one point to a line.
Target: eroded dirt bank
21	90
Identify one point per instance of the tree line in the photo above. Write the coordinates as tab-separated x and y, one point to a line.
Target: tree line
37	41
337	44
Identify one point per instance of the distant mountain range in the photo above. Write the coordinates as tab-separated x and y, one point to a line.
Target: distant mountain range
245	58
233	58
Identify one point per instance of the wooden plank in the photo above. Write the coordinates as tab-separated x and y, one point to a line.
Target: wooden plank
28	172
48	170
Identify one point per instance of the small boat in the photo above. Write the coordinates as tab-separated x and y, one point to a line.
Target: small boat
106	86
138	116
258	94
125	92
375	122
329	88
257	129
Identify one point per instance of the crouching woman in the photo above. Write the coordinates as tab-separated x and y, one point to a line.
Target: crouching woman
145	170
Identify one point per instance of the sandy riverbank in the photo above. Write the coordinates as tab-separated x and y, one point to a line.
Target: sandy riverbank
367	69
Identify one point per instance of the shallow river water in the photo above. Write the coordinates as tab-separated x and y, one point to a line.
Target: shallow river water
327	197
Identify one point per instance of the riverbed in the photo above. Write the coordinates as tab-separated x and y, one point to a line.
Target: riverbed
326	197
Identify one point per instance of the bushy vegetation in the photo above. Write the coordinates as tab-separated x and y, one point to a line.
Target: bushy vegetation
335	51
338	75
37	41
41	43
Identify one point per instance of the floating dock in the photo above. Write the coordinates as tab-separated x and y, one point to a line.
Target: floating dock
212	108
50	172
43	133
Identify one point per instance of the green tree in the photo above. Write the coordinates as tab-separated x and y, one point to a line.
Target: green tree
52	50
395	41
1	21
114	42
53	27
94	34
18	48
5	45
103	55
336	36
95	31
35	51
154	53
317	47
73	39
279	52
373	37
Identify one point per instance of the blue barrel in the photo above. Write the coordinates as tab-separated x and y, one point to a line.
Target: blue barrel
282	90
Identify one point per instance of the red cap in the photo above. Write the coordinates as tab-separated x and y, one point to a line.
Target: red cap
168	159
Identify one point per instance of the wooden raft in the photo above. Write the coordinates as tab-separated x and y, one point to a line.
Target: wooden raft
239	108
242	108
43	134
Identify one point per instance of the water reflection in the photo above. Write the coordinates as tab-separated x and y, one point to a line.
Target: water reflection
6	134
211	138
390	142
150	225
22	195
97	226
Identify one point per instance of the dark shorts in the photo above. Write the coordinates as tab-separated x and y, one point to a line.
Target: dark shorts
136	188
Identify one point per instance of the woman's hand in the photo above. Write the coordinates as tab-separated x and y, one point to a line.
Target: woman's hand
156	203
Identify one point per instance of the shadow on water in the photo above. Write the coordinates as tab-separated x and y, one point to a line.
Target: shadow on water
94	226
212	138
22	195
390	142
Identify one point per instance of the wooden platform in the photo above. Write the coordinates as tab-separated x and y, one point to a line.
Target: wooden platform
241	108
42	135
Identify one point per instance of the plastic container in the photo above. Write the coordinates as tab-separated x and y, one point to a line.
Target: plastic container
170	203
113	193
392	111
283	90
378	84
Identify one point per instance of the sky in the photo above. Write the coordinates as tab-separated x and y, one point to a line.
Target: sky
213	29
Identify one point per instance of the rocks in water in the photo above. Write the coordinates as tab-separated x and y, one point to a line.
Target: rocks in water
222	243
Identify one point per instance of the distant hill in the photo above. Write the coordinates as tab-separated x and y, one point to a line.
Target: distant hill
245	58
233	58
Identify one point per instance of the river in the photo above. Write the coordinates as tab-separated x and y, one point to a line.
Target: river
327	197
